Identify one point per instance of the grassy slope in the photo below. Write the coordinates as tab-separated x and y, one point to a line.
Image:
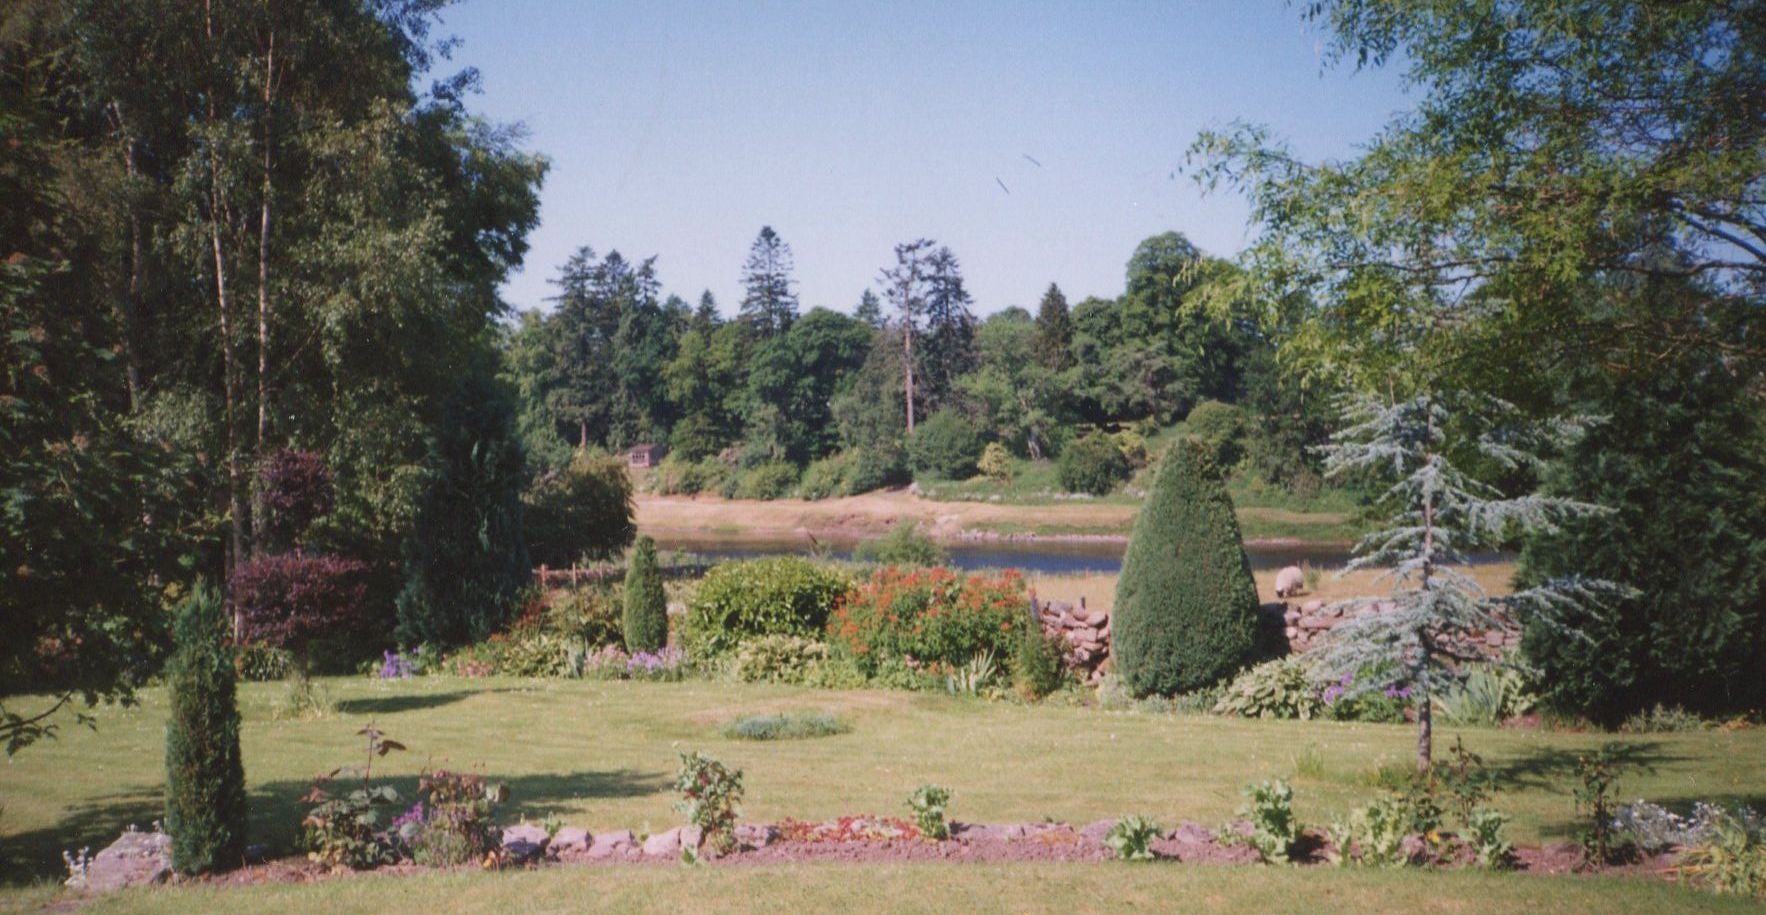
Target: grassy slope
601	755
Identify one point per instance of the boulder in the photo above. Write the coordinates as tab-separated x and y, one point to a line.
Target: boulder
1312	606
525	832
663	844
134	859
609	844
1096	831
1192	834
570	839
755	835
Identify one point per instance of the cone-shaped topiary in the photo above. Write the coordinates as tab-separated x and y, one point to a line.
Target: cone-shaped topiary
646	607
1186	606
205	780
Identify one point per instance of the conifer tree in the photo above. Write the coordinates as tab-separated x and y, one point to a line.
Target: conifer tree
646	606
768	304
1054	331
870	309
1423	633
205	779
1186	605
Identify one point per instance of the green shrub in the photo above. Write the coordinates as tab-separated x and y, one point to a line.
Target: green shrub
582	511
1093	464
995	463
772	480
903	545
675	477
1220	428
1679	460
827	478
929	804
711	797
736	601
946	446
1663	719
354	829
1131	838
1036	661
590	615
205	778
646	606
779	659
1274	689
1274	830
1186	606
258	662
455	827
785	726
877	468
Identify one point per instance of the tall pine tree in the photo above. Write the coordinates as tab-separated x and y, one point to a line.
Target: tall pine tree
768	304
949	350
1054	331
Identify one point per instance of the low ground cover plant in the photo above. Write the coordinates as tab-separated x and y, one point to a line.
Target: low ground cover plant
779	659
1274	689
1131	838
785	726
1274	831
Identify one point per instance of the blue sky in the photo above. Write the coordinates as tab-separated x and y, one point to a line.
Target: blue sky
679	129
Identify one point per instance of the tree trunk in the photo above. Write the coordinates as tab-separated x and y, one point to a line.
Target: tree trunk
1425	731
258	515
132	296
907	365
217	213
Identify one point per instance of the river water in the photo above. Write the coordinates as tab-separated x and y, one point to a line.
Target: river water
1048	557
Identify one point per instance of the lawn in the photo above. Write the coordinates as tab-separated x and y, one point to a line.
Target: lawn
602	755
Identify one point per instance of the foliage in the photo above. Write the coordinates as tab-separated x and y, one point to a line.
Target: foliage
291	600
581	511
1679	461
1597	801
1281	688
1274	830
1344	702
1732	861
772	480
666	664
1186	605
930	804
711	797
1221	430
827	478
785	726
258	662
741	600
1655	828
995	463
1374	835
466	561
353	829
1037	670
1484	835
932	618
677	477
1663	719
904	545
455	826
945	446
973	676
1092	465
205	777
646	606
779	659
591	615
1131	838
294	489
1485	696
1435	509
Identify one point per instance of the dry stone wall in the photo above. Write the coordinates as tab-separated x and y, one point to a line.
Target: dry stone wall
1085	631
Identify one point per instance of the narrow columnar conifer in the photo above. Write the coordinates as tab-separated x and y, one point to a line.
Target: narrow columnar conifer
205	779
646	606
1186	605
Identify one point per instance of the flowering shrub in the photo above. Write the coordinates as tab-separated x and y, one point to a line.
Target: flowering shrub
456	827
607	663
930	617
1343	702
394	666
664	664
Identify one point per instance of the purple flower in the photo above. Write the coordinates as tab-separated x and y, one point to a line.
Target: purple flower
415	815
395	666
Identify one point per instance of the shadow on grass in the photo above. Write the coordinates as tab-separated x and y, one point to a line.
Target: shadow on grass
276	810
28	857
1543	767
389	705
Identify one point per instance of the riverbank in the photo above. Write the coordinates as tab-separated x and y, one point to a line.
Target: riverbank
855	518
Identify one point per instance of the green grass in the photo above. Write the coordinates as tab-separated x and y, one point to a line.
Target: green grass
603	754
940	888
